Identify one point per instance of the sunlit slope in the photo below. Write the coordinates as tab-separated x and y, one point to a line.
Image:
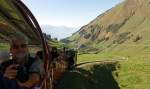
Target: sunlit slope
125	27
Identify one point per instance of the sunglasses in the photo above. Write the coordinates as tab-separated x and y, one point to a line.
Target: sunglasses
17	46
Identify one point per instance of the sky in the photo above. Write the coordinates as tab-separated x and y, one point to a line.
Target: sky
70	13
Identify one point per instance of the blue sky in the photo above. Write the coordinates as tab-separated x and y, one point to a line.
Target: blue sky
71	13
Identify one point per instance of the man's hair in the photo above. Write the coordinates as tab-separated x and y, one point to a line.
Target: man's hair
19	37
39	54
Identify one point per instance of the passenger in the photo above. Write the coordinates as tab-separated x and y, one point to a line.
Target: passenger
22	68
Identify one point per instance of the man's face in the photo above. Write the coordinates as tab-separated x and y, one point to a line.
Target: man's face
19	50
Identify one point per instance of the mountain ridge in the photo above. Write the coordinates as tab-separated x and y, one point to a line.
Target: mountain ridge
126	22
59	32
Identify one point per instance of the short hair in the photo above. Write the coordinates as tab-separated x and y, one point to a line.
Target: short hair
19	37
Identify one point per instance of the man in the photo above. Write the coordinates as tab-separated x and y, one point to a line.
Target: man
22	68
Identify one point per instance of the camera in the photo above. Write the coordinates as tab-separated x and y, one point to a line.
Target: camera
22	74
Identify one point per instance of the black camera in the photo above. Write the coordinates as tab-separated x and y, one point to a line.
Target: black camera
22	74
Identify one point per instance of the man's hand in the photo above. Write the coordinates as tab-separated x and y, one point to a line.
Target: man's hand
11	71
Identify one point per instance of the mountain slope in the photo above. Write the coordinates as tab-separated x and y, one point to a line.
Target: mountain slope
126	23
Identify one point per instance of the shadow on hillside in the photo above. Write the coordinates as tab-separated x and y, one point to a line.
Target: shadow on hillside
98	77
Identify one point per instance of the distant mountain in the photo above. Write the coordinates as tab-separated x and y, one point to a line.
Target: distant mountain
59	32
126	24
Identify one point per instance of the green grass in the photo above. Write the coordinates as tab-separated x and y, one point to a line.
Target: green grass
134	72
95	57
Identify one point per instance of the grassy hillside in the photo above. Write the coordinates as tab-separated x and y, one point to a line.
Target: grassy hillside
134	66
125	24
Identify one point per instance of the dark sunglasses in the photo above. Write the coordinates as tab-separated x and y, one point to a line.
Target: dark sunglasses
17	46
